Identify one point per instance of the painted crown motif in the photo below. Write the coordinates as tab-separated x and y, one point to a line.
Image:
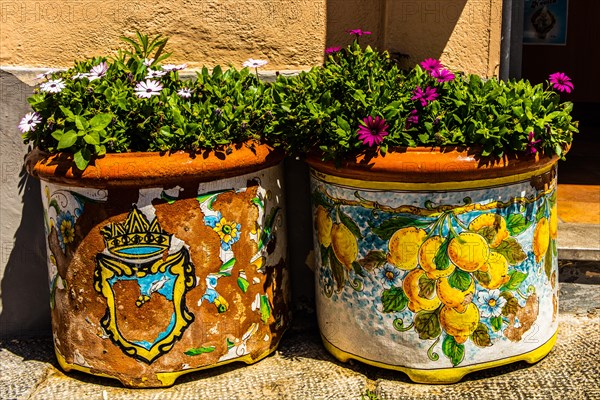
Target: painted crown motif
136	238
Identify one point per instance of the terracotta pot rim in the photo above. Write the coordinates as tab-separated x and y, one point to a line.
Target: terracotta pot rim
432	164
152	169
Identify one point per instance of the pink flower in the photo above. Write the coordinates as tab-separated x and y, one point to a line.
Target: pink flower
531	150
413	119
332	50
372	130
443	75
431	64
358	32
425	96
561	82
29	122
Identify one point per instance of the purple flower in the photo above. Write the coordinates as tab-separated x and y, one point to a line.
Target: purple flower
29	121
431	64
429	94
372	130
332	50
98	71
531	144
186	93
561	82
443	75
358	32
413	119
148	89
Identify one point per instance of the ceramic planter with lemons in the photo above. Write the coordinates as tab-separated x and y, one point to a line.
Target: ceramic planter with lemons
164	214
434	206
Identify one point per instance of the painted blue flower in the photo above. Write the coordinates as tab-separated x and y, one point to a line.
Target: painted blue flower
389	274
65	226
212	220
490	303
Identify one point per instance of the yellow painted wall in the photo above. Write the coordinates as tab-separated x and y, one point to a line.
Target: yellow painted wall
290	34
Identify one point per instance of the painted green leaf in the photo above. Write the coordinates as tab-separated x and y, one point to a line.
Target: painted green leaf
199	350
325	255
512	304
230	343
516	224
454	351
265	309
441	259
339	273
460	279
350	224
358	269
373	259
426	287
483	277
496	323
481	336
541	212
552	198
386	229
54	204
548	264
427	324
243	284
489	233
512	251
514	281
319	199
226	268
394	300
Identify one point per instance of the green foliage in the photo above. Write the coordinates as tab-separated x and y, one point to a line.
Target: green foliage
320	111
91	117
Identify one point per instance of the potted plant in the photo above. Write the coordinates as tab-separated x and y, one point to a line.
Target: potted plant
434	200
164	216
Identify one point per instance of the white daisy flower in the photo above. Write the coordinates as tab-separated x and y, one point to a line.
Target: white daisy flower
148	89
186	93
252	63
52	86
81	75
155	74
148	61
98	71
29	121
490	303
174	67
45	74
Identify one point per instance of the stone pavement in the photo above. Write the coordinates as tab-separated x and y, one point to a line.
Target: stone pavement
302	368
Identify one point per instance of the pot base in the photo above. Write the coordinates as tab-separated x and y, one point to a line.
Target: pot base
166	379
445	375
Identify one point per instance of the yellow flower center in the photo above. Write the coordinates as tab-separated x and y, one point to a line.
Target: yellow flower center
492	302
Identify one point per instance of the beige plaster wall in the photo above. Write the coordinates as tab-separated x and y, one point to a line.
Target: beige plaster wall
463	34
290	34
287	33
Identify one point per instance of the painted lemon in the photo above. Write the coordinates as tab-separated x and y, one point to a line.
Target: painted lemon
427	253
459	325
452	297
324	223
497	268
344	244
554	222
411	289
469	251
494	224
541	239
404	246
